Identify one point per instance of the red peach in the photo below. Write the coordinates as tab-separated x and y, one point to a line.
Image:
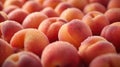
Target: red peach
113	4
3	16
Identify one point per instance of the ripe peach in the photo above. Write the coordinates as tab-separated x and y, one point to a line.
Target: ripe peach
22	59
29	40
8	28
60	54
74	32
103	2
113	14
49	12
32	6
1	6
33	20
111	33
51	3
107	60
17	15
113	4
40	1
80	4
72	13
3	16
51	26
13	2
10	8
61	7
5	50
94	46
2	1
96	21
94	7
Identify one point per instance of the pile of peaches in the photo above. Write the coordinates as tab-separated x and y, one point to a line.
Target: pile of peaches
59	33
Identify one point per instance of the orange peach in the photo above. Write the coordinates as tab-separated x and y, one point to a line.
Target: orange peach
5	50
94	46
50	27
61	7
8	28
96	21
111	33
33	20
17	15
74	32
94	7
40	1
60	54
113	15
22	59
3	16
49	12
107	60
80	4
113	4
32	6
51	3
72	13
29	40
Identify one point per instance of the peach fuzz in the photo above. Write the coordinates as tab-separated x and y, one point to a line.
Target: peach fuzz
74	32
113	15
60	54
94	7
61	7
111	33
29	40
107	60
80	4
94	46
32	6
51	3
3	16
17	15
113	4
51	26
12	2
22	59
72	13
5	50
8	28
96	21
34	19
49	12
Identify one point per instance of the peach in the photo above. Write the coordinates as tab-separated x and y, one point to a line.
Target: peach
10	8
50	27
17	15
94	46
74	32
22	59
29	40
40	1
32	6
94	7
113	14
72	13
107	60
80	4
96	21
51	3
13	2
103	2
1	6
2	1
5	50
33	20
113	4
61	7
111	33
8	28
3	16
60	54
49	12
